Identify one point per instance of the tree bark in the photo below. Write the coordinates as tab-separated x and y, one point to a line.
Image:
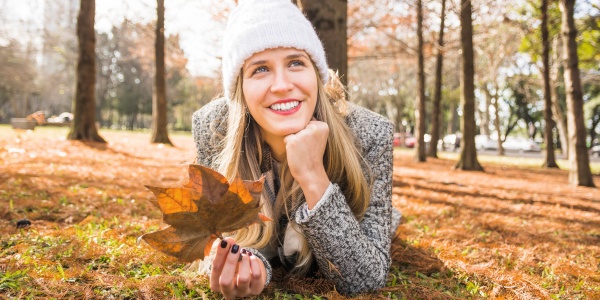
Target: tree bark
468	157
496	105
159	99
83	126
557	111
550	159
484	115
420	109
579	172
329	18
437	98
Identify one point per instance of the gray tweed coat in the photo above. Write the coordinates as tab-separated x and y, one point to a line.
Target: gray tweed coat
359	251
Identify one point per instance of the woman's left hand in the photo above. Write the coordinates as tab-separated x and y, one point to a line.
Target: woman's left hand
304	151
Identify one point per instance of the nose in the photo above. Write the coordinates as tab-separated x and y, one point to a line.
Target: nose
281	82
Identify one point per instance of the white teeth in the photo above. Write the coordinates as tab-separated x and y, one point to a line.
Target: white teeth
285	106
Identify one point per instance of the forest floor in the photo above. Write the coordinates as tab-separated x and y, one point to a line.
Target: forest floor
515	231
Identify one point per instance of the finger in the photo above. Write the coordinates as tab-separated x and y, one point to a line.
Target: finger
244	275
218	262
257	283
227	280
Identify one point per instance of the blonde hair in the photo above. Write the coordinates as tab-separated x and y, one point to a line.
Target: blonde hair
242	157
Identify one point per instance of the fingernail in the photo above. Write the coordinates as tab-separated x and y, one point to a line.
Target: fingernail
223	244
244	251
249	253
235	249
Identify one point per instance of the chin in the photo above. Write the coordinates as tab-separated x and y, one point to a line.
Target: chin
291	130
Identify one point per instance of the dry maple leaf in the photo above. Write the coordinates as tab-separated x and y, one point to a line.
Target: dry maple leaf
201	210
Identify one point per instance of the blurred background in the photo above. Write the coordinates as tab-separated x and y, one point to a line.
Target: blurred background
38	56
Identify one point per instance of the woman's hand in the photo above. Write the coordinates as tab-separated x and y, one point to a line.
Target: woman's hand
236	272
304	151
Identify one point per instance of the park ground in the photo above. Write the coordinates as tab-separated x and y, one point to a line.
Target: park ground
515	231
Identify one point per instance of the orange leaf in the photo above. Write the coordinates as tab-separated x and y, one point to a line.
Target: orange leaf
201	210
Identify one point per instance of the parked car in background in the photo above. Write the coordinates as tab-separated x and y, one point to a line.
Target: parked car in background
486	142
397	139
595	151
411	141
521	145
451	142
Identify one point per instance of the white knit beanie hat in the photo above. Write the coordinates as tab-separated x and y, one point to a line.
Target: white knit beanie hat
257	25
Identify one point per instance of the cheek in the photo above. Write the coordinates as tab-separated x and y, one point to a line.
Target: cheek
253	93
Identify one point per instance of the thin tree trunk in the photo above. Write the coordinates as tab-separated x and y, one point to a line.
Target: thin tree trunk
494	99
579	172
437	98
159	99
557	111
497	125
484	116
329	18
83	126
550	159
468	157
420	109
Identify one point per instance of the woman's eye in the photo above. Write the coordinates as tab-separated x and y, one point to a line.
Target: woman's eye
260	70
296	63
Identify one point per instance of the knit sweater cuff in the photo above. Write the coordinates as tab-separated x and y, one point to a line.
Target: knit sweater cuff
268	268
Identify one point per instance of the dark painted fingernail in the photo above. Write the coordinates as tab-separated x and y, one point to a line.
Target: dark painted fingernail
244	251
223	244
249	253
235	249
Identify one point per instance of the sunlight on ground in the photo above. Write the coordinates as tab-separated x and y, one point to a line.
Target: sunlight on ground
525	162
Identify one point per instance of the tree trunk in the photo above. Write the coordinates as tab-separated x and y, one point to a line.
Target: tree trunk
329	18
437	98
468	157
550	159
494	99
557	112
579	172
159	99
420	109
497	125
83	126
484	116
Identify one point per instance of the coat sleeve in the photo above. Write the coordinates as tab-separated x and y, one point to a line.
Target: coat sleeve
209	126
356	255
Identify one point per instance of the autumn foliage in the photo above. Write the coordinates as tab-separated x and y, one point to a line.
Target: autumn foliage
515	231
201	210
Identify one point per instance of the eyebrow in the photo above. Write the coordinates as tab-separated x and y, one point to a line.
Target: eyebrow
291	56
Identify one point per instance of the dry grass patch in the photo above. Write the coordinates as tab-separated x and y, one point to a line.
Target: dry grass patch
508	233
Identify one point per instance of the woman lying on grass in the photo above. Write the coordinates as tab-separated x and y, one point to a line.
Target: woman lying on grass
327	163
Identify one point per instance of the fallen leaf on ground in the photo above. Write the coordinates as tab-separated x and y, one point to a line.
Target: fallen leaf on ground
201	210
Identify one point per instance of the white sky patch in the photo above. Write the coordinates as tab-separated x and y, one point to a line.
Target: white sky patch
200	35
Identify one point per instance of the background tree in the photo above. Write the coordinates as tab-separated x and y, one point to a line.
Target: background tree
437	96
468	156
420	110
558	100
159	99
329	18
17	72
549	157
83	126
579	172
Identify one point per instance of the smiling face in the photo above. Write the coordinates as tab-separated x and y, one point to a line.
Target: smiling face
280	89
